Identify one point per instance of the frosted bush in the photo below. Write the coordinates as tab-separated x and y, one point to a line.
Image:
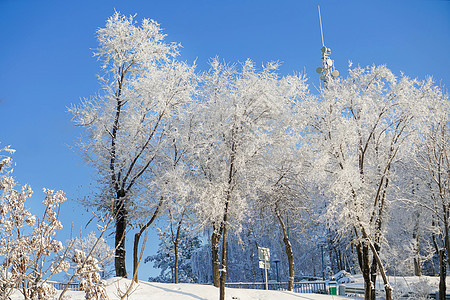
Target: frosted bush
100	251
44	291
420	290
88	270
29	252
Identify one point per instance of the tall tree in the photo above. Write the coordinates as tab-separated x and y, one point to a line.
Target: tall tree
365	124
143	86
175	258
435	160
282	187
238	113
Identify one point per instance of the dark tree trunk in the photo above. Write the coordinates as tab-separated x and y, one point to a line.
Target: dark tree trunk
443	274
215	238
387	286
417	262
176	261
224	227
137	236
288	248
362	249
373	271
223	274
339	258
121	225
228	266
366	273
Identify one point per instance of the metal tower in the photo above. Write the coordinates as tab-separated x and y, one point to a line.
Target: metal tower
327	70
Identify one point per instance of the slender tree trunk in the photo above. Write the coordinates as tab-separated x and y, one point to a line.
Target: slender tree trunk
417	262
121	225
228	266
341	262
223	225
288	248
215	238
137	237
366	273
176	261
224	272
362	249
387	286
373	272
443	274
176	241
446	231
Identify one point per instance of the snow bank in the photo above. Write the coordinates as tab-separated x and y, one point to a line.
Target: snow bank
188	291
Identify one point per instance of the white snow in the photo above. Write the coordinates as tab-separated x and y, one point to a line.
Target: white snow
188	291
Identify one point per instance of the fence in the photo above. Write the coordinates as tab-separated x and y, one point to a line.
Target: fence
61	286
57	285
317	287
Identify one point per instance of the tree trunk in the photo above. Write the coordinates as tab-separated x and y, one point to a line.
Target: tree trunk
446	231
373	271
387	286
176	261
224	272
137	236
417	262
215	238
340	259
362	249
121	225
366	273
288	248
443	274
224	227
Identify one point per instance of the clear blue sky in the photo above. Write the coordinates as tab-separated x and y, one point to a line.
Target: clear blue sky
46	61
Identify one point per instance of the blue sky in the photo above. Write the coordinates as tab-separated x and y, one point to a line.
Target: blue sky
46	62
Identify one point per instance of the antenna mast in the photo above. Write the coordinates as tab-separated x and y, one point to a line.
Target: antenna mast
327	70
321	30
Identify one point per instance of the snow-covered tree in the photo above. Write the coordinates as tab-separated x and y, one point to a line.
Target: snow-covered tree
88	269
365	124
29	251
434	158
171	185
102	252
143	87
408	236
282	194
238	115
168	254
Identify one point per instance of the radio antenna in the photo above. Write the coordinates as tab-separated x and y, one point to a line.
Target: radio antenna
327	71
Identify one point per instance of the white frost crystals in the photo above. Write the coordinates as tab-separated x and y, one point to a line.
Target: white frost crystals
29	253
27	243
87	269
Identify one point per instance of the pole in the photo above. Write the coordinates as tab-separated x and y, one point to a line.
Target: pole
323	272
265	272
320	20
276	265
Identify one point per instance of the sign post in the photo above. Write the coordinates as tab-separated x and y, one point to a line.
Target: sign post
264	261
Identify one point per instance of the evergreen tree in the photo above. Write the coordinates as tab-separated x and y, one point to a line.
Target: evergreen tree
165	257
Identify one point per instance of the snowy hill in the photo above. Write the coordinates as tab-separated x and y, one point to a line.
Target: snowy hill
185	291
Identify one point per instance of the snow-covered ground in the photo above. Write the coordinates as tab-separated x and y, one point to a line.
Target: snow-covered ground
397	282
185	291
414	286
